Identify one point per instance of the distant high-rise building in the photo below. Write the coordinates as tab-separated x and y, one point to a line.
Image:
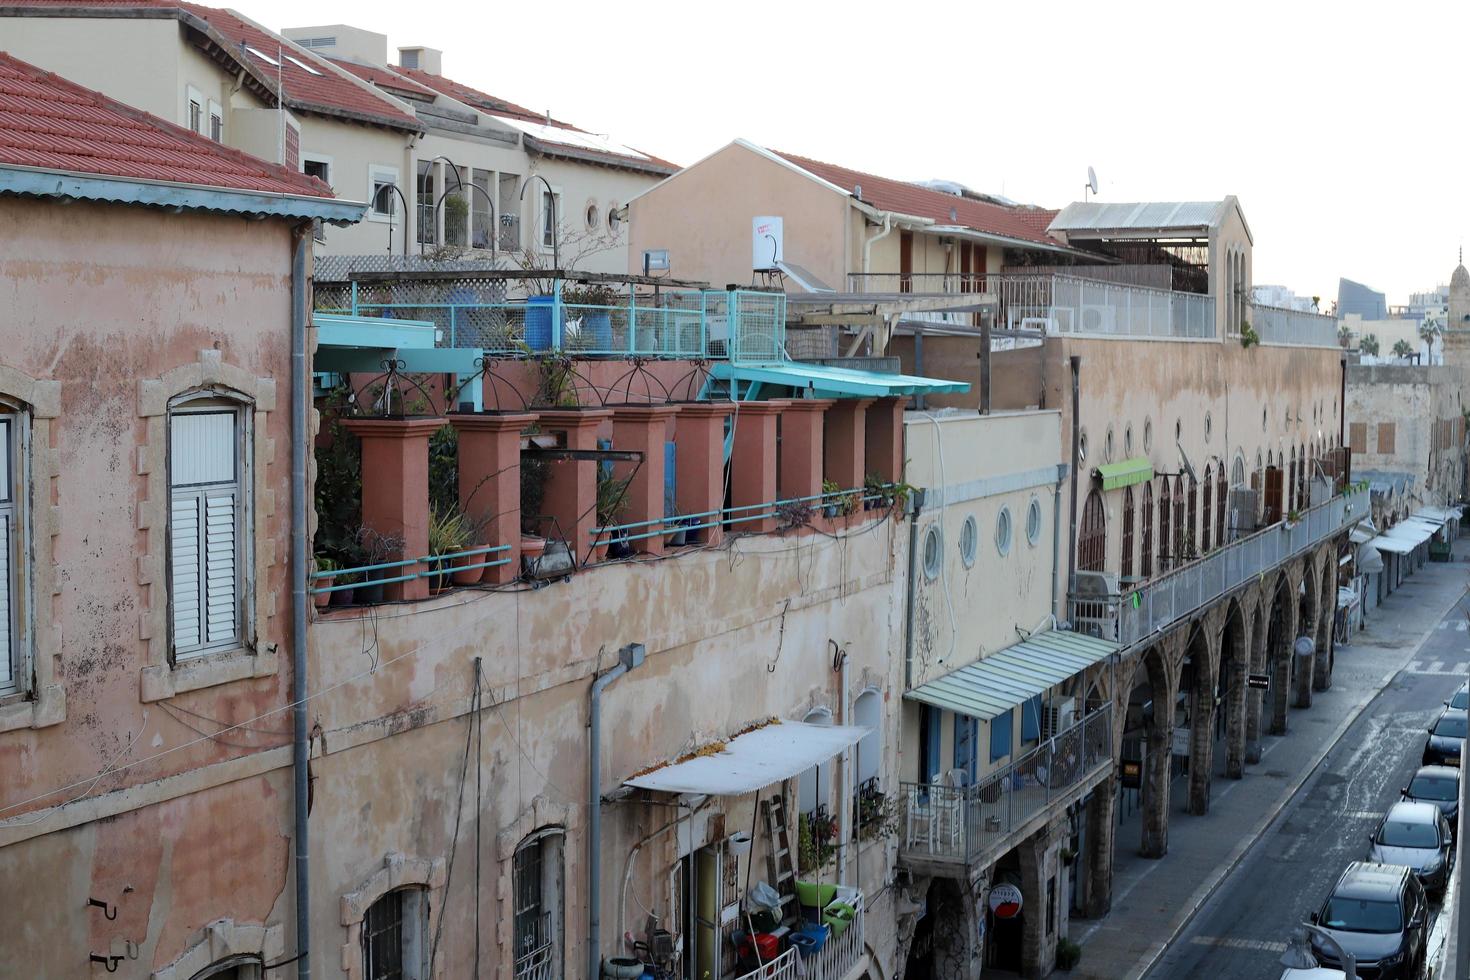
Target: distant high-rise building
1354	297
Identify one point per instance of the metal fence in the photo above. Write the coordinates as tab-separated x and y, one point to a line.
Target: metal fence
742	325
1277	325
783	967
1158	604
961	823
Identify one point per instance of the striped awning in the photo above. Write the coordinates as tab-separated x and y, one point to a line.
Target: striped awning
1125	474
1012	676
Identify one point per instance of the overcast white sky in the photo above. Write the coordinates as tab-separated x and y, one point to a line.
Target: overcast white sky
1340	126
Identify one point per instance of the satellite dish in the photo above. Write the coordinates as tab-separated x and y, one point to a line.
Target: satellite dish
1092	179
1184	463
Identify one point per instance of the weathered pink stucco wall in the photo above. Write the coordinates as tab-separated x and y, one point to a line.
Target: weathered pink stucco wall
100	299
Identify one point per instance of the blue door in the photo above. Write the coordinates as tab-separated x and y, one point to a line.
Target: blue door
964	747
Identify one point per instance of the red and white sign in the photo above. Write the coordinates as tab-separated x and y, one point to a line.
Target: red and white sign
1005	901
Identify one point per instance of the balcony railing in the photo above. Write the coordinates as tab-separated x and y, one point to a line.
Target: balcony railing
839	954
1158	604
741	325
1277	325
962	824
783	967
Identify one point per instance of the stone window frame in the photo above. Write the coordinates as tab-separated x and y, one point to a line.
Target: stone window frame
42	703
221	940
398	871
161	678
541	812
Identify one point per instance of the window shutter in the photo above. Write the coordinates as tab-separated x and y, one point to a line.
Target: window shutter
184	531
219	567
7	663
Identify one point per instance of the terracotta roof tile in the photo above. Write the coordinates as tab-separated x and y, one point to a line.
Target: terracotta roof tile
1025	224
50	123
386	78
323	88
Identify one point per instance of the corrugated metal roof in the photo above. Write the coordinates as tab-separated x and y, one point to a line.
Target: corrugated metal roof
825	381
1110	216
1001	681
754	760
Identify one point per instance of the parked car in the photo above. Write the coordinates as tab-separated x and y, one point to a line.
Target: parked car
1461	697
1446	738
1416	836
1320	973
1439	785
1378	913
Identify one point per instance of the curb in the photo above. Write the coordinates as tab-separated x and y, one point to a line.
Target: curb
1212	884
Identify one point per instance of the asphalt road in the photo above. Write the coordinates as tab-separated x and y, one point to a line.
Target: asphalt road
1241	931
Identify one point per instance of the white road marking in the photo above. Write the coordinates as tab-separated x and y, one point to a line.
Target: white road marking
1232	943
1438	668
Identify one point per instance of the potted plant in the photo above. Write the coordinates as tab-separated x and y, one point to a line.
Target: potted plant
1068	954
831	501
875	492
676	534
1292	518
368	548
449	533
612	501
324	564
591	306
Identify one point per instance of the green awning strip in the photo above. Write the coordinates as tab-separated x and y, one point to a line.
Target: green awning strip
1126	473
1008	677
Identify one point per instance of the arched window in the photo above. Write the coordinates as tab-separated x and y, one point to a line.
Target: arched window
1092	539
1237	471
1191	529
1125	567
15	568
1181	539
811	786
1222	497
245	967
395	934
1166	518
1146	553
1206	526
1304	480
1291	482
540	903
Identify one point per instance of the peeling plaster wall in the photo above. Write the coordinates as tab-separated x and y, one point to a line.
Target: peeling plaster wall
100	299
725	649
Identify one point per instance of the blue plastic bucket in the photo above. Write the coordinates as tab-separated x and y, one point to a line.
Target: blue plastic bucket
538	322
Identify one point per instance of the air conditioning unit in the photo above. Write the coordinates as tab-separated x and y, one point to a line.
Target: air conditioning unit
1061	714
1241	511
1096	585
1097	319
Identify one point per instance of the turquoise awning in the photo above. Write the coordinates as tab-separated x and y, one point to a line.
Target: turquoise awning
1012	676
1127	473
825	381
362	343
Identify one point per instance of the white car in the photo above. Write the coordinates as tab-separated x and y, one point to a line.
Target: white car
1317	973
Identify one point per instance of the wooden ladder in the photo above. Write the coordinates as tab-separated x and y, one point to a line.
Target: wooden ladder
780	860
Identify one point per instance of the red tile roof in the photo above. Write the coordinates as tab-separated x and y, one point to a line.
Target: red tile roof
330	92
1025	224
50	123
384	77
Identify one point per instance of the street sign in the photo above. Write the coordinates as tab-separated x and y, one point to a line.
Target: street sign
1005	901
1258	682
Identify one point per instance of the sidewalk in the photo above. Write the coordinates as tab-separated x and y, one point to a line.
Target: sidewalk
1154	899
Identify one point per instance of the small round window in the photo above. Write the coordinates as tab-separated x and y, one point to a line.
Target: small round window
1108	446
1003	531
1033	522
968	538
1148	435
593	218
614	218
1082	445
1209	426
932	552
1128	440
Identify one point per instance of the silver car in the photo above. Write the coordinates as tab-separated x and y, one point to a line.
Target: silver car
1416	836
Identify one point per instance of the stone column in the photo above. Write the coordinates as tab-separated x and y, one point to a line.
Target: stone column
571	486
1038	938
753	466
1102	820
801	449
1235	719
395	490
883	443
845	442
1201	743
1159	746
490	485
1255	700
643	429
699	462
1326	618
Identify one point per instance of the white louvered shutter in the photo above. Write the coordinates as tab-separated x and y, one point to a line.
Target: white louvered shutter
8	680
12	669
204	531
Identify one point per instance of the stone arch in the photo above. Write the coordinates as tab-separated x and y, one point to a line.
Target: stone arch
1309	613
1327	598
1235	647
221	940
1163	679
1200	650
397	872
1280	613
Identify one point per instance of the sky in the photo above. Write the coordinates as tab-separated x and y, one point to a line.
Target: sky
1333	123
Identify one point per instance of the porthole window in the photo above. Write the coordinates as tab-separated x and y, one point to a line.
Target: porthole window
1209	426
1263	419
968	538
593	218
1082	446
1003	531
933	555
614	217
1033	522
1108	446
1128	440
1148	435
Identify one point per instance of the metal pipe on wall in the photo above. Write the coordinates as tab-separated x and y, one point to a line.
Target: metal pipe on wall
629	657
300	746
1076	362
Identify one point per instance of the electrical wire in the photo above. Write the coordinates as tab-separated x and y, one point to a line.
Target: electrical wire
954	627
458	813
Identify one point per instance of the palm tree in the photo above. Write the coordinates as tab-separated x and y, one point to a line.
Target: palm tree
1345	336
1402	348
1369	344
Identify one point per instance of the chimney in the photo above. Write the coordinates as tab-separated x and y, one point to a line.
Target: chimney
430	60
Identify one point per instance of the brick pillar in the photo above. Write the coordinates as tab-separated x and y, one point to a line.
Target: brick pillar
1102	823
571	486
490	485
395	490
1236	707
883	443
753	464
699	463
845	442
1326	619
801	449
1255	700
643	429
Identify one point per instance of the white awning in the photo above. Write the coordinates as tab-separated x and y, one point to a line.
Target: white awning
1414	532
754	760
1361	535
1397	545
1369	560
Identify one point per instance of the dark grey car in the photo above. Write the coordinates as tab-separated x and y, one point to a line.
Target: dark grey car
1439	785
1416	836
1446	739
1378	913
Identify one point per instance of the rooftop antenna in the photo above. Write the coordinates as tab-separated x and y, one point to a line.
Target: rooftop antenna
1091	184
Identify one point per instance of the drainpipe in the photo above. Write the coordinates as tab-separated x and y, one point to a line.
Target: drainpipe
916	502
1056	524
629	657
1076	361
868	244
300	748
845	791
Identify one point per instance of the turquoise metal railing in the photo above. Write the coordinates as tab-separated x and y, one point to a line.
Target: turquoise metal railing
791	507
437	565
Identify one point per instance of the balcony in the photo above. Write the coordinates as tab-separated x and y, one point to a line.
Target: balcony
838	958
516	314
1296	328
962	826
1156	605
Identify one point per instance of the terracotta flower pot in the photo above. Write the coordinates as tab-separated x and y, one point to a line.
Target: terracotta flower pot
532	548
322	599
463	575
